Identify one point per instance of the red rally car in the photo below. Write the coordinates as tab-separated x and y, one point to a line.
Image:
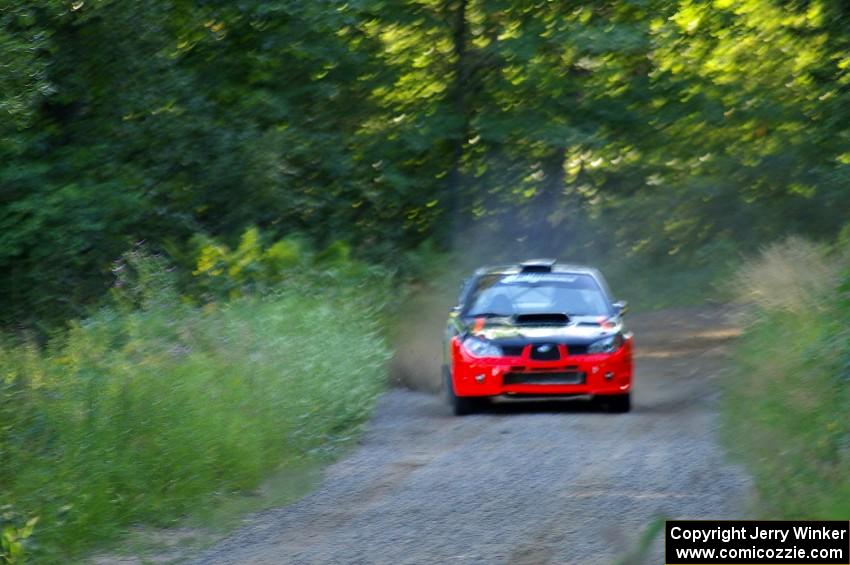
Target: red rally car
535	329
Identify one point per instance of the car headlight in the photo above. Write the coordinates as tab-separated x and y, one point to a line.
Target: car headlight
478	347
608	344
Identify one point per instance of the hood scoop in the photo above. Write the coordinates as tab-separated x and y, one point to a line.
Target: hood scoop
541	320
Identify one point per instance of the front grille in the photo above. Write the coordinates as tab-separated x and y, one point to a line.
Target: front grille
545	352
553	378
516	350
512	350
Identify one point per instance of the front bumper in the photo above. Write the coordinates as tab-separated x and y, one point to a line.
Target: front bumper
591	374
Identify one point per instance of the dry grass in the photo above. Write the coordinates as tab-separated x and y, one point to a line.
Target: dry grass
793	276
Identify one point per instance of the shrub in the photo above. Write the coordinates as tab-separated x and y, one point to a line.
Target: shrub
252	267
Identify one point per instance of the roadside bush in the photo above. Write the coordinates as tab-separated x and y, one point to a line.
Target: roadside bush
786	405
152	406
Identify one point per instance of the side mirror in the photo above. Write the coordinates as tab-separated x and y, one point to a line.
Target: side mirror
621	307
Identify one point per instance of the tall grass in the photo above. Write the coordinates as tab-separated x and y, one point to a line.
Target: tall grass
139	415
786	409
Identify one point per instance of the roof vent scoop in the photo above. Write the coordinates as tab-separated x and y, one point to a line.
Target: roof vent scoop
537	266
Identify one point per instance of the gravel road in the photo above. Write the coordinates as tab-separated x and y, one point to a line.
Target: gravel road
522	483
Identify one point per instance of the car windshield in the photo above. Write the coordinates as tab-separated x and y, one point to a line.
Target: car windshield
531	293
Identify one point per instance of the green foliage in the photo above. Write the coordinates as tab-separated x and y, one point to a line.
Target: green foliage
662	128
13	538
142	282
139	415
255	268
785	409
251	267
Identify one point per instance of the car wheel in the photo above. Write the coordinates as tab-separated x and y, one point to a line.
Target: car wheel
459	405
619	403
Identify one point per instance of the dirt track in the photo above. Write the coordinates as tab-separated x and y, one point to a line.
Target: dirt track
533	483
